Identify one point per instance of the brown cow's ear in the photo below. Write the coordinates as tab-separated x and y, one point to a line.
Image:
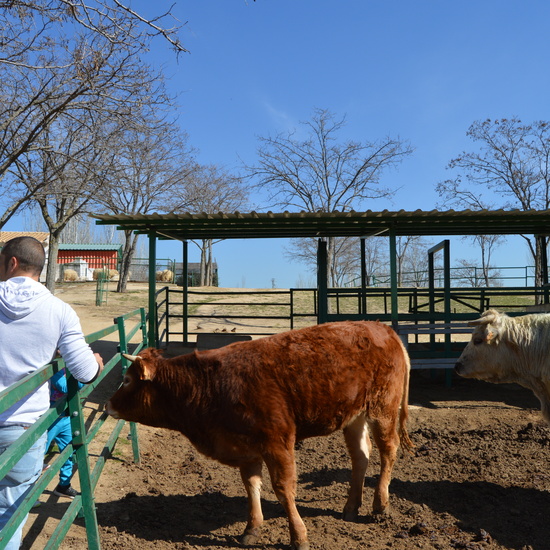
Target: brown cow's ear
145	371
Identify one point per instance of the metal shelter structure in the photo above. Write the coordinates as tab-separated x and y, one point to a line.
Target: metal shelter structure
184	227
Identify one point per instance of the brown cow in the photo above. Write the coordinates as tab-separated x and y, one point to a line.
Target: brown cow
250	402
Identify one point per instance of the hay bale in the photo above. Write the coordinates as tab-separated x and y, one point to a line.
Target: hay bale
96	274
109	274
70	276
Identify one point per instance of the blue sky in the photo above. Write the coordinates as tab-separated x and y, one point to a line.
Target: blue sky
423	71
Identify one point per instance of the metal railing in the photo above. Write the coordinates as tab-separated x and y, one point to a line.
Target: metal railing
460	276
419	304
82	505
179	316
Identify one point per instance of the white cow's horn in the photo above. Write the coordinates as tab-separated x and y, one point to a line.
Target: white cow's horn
131	358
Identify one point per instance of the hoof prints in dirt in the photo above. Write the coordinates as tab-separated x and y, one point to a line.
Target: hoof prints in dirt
479	479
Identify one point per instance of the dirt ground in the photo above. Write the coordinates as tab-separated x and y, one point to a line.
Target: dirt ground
479	479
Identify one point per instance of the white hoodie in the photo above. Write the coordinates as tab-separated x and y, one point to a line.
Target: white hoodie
34	324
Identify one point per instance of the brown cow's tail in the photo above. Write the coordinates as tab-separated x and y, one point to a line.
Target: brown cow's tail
406	442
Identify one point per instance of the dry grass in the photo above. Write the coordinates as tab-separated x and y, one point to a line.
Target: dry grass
213	308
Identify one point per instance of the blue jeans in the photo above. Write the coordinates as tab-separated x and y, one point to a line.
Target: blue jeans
18	482
60	432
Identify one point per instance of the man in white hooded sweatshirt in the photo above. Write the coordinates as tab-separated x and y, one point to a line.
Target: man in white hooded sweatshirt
34	325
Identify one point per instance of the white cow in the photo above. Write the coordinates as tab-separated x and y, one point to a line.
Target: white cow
510	349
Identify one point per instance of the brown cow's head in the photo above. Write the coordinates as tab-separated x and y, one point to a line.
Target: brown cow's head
482	357
135	398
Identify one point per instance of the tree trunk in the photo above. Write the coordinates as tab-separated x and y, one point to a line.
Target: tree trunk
51	270
130	243
209	267
206	275
331	258
202	274
484	265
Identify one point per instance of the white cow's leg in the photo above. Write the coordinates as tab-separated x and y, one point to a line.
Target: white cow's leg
282	470
357	440
251	475
542	391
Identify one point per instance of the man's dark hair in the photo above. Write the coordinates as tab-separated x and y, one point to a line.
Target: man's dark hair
28	251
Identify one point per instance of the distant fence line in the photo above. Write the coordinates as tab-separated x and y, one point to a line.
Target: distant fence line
84	267
460	276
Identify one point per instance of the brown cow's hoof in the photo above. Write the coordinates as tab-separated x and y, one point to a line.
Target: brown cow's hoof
352	515
379	508
250	537
380	517
300	545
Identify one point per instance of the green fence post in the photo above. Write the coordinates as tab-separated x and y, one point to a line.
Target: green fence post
394	282
144	333
185	294
101	288
123	346
78	428
322	282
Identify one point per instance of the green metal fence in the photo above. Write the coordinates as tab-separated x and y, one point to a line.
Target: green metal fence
126	326
102	286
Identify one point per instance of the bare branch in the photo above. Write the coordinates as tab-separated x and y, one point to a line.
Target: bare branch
512	163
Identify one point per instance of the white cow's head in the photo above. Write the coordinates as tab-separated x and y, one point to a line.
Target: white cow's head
483	356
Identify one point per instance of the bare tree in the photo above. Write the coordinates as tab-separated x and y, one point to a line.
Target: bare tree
376	257
513	162
321	174
212	189
468	274
346	260
412	261
457	196
72	162
59	56
402	245
32	26
153	164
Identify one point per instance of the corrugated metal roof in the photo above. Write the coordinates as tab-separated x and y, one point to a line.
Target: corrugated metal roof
6	236
321	224
90	246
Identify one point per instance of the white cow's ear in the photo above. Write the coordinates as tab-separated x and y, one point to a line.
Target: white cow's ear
494	331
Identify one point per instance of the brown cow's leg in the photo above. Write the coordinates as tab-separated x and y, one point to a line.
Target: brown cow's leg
387	440
357	440
251	475
282	470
